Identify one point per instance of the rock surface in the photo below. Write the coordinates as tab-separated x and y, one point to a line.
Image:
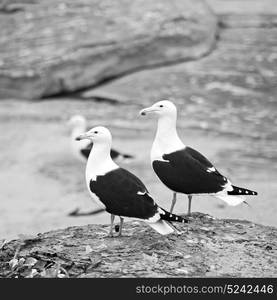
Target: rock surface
207	247
51	47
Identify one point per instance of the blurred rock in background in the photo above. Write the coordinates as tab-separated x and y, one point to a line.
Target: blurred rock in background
50	47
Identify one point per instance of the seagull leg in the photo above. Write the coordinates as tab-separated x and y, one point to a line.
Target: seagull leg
111	228
120	226
173	202
189	206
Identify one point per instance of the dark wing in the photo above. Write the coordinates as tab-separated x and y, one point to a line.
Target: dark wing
124	194
202	160
187	171
199	157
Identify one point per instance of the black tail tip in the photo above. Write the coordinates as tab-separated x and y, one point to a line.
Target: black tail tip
253	193
182	220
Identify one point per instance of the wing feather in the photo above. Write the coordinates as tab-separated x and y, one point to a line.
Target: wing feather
187	171
124	194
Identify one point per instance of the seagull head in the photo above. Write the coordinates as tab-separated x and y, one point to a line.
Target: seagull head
77	121
98	135
161	108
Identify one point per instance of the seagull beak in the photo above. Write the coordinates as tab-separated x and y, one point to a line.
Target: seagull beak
82	136
147	110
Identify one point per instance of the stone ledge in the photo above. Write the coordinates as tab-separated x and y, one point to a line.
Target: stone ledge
207	247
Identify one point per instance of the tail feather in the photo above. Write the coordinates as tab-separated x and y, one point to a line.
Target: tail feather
167	216
162	227
231	199
241	191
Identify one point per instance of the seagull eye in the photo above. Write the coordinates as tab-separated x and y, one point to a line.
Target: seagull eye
161	105
95	132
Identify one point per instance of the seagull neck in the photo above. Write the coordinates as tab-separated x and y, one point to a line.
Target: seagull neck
166	130
99	161
99	154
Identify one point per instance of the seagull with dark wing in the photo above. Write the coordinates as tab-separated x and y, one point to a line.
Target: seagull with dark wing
81	149
117	190
183	169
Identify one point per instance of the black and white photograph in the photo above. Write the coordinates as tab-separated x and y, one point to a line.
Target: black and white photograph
139	140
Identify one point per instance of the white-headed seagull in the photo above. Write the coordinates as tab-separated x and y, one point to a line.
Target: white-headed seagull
183	169
120	192
81	150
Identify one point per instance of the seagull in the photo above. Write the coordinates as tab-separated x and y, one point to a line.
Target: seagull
81	149
183	169
117	190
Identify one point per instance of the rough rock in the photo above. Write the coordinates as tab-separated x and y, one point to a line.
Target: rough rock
50	47
206	247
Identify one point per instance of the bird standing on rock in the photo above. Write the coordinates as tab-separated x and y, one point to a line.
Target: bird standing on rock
183	169
120	192
81	150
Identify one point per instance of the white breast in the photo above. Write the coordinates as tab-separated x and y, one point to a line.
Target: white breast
95	169
156	152
160	147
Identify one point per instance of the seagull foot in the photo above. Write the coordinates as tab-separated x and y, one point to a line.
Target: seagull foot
116	228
